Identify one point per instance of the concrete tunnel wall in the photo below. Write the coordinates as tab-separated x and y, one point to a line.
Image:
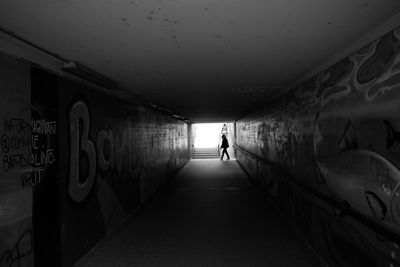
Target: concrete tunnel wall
76	161
339	134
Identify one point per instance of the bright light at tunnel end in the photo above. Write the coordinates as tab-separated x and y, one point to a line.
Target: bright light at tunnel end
207	135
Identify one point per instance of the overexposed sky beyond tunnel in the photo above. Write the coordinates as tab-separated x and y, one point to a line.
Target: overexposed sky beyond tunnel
207	135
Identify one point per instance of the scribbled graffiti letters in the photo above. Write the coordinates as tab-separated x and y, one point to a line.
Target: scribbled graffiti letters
15	139
31	178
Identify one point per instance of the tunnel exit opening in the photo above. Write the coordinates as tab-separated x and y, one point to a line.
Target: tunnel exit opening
208	137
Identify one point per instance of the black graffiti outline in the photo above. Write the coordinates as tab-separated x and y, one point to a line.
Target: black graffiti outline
14	254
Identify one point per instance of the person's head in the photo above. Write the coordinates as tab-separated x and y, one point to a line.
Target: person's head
224	124
223	136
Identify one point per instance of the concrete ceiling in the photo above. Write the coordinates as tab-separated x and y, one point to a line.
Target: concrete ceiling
207	60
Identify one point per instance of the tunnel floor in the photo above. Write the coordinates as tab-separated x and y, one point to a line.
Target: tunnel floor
209	215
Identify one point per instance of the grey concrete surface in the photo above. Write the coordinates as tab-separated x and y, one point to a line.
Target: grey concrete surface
209	215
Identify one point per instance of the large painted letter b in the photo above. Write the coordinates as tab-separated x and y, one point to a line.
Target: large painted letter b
80	187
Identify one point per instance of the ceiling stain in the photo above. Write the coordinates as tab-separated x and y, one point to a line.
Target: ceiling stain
125	20
224	39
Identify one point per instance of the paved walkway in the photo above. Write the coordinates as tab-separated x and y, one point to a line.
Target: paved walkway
210	215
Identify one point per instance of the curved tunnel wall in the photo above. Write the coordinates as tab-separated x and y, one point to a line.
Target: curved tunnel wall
339	134
76	161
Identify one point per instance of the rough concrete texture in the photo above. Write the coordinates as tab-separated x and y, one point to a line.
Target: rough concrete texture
209	215
338	133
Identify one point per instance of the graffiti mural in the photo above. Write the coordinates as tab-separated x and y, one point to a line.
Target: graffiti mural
339	133
363	178
116	153
110	151
117	157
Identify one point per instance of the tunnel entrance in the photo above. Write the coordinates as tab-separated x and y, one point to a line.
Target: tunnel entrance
207	139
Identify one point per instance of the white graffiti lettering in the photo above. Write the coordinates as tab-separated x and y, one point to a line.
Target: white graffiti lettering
44	127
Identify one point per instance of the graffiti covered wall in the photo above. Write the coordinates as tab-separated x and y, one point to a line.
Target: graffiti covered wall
339	133
116	155
54	207
29	220
16	235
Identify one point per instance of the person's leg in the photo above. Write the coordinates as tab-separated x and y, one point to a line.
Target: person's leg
226	151
223	152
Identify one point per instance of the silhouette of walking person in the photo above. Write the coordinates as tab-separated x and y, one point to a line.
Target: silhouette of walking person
224	146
